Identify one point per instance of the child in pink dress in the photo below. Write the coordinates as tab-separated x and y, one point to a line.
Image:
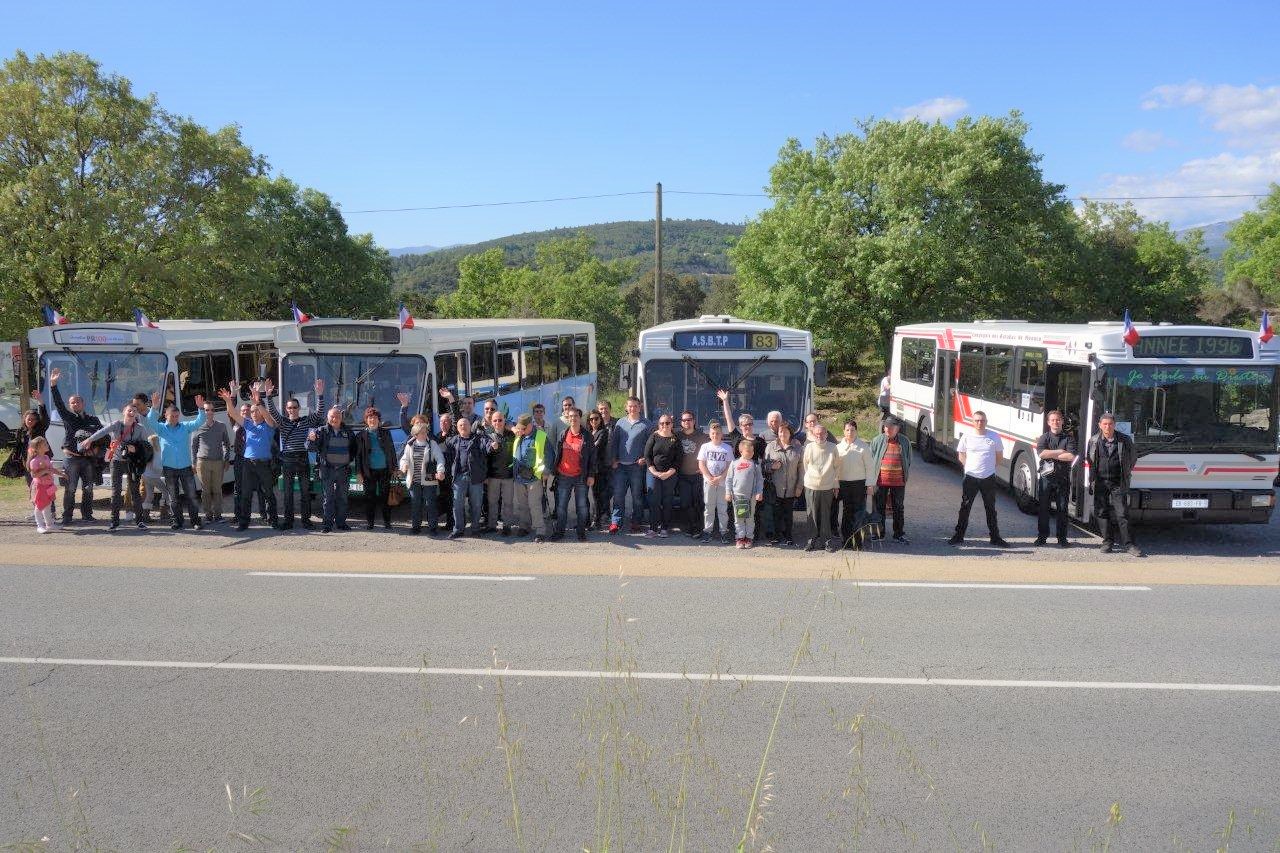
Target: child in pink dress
44	488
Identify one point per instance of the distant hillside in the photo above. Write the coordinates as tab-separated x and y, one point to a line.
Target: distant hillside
1215	236
697	246
411	250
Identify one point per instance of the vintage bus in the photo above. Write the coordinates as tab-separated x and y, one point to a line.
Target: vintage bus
1199	402
108	363
681	365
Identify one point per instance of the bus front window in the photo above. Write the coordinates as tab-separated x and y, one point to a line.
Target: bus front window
106	380
671	386
354	382
1194	409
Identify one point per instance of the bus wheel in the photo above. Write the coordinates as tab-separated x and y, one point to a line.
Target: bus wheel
1023	485
924	442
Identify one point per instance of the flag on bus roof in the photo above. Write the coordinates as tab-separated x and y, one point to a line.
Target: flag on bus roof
1131	335
406	319
1265	332
299	316
53	318
140	319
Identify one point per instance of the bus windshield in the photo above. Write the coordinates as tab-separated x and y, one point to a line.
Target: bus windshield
671	386
106	380
1194	409
354	382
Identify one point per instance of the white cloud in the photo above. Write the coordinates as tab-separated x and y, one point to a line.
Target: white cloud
934	109
1224	174
1146	141
1248	115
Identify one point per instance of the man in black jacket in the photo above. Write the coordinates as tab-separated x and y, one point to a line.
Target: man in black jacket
295	463
500	482
81	466
1111	460
335	448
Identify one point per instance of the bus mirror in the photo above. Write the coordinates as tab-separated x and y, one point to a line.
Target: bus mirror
624	376
820	373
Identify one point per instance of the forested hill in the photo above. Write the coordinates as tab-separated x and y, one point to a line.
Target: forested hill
698	246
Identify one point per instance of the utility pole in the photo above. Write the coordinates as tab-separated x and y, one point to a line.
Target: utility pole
657	248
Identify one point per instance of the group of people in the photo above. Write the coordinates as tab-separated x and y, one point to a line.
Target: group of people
481	474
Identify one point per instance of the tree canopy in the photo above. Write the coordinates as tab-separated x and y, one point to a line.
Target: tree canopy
108	202
1253	247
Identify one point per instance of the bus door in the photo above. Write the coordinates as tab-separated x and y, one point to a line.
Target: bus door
1067	389
944	394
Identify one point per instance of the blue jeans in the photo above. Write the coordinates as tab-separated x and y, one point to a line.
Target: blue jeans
422	496
628	477
335	484
575	487
465	493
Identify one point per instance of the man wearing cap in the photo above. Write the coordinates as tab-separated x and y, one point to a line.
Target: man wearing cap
890	467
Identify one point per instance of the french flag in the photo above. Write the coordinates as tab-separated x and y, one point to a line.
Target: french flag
1131	336
299	316
140	319
53	318
1265	332
406	319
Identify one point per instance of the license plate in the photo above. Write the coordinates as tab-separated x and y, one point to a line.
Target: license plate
1190	503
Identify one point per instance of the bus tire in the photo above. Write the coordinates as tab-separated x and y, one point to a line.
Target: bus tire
924	442
1022	484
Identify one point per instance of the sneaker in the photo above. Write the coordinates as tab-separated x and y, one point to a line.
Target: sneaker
649	534
693	534
1041	542
613	529
142	525
999	543
539	539
1105	547
1134	550
725	538
902	539
833	547
1062	543
344	526
790	543
582	535
703	537
386	525
326	529
242	526
956	539
197	525
506	530
773	543
557	536
748	544
370	525
453	534
308	524
285	525
45	530
811	545
115	525
635	528
662	533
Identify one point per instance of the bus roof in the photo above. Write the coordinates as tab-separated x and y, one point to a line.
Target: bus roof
712	322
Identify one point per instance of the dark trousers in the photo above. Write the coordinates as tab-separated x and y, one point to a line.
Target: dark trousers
574	488
186	478
1050	490
853	503
467	494
257	479
122	475
82	473
969	491
335	483
602	494
818	502
889	498
422	499
296	468
377	490
783	511
445	499
1111	506
662	501
237	493
689	487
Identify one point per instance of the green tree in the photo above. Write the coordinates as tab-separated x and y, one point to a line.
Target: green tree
722	296
1238	302
682	297
1123	261
108	202
900	222
1253	247
565	281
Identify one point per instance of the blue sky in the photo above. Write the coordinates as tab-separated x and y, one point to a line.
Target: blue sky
394	105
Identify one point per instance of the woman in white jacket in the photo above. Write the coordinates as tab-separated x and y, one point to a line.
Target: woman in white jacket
854	470
422	464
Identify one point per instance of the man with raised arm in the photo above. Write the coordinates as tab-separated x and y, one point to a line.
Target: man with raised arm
259	435
80	465
295	461
175	456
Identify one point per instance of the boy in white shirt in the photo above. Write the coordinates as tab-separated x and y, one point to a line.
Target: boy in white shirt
713	461
978	452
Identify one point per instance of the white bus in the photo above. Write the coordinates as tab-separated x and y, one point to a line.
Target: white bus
680	365
368	363
108	363
1199	402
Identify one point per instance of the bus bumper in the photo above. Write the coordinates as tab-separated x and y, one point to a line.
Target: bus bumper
1233	506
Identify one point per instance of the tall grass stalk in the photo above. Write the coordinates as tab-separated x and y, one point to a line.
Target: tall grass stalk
511	750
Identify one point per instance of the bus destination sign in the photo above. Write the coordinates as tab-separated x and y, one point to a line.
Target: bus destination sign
712	341
1192	346
349	333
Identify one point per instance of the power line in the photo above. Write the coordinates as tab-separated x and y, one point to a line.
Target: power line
497	203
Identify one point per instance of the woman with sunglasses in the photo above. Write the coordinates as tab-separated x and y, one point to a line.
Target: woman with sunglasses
663	452
601	493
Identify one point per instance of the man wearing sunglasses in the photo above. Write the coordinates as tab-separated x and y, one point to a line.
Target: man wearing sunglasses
294	460
689	480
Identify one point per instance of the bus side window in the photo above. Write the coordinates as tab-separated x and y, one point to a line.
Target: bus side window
550	360
1029	382
996	374
483	384
971	359
450	371
581	356
531	357
566	356
508	366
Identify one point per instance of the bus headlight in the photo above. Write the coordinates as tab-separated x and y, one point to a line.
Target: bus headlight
1264	500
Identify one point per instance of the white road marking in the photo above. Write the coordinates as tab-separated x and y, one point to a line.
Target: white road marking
960	585
486	672
393	576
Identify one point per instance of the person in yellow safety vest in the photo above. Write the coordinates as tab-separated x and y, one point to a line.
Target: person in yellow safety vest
532	461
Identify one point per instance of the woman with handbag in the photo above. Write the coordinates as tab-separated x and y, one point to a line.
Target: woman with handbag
35	421
375	459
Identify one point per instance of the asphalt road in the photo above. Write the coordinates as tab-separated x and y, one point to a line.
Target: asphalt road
950	717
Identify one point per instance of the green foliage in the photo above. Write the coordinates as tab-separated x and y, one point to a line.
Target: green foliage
901	222
1237	303
682	298
107	203
722	295
698	247
1253	249
565	280
1123	261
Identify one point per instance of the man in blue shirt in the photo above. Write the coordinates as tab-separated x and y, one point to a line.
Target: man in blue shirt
626	457
256	467
175	456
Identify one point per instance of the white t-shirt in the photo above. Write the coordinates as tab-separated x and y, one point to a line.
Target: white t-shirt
981	452
717	457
